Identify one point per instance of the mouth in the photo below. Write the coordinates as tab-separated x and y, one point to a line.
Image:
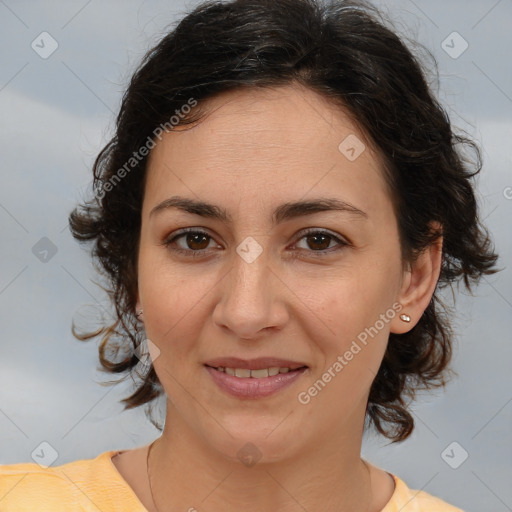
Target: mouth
245	373
260	363
253	379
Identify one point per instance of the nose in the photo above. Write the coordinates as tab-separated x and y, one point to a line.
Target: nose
252	299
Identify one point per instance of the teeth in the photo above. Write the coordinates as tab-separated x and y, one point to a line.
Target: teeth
244	373
257	374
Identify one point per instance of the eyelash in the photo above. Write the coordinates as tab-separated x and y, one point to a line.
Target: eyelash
199	253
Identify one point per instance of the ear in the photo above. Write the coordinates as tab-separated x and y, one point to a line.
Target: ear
419	283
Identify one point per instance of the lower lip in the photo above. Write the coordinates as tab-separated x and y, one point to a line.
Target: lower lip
250	387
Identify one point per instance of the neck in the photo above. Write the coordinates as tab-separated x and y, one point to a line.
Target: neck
187	474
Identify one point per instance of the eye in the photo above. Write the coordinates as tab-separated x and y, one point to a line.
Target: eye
319	241
194	242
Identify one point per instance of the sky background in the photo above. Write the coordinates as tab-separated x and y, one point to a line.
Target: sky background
57	112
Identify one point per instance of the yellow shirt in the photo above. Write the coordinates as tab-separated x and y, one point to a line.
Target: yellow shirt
94	485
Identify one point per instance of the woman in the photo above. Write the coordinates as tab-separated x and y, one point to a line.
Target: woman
276	213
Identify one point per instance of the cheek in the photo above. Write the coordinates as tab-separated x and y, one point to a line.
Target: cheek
352	352
356	307
172	299
350	317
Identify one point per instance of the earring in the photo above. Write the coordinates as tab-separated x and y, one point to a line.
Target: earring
139	313
405	318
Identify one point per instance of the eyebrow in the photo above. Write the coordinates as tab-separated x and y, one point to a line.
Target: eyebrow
283	212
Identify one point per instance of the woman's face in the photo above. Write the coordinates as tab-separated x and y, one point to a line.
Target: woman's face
301	286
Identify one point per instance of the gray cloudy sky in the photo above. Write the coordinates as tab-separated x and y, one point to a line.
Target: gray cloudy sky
55	115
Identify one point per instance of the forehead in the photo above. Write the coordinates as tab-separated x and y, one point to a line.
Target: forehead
279	120
287	140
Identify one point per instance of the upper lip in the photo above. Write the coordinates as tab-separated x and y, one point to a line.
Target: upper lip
253	364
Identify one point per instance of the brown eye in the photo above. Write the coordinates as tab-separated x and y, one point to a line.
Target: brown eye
320	241
196	241
191	241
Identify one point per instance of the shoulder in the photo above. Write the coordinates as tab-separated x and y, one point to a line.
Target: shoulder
405	499
77	485
26	486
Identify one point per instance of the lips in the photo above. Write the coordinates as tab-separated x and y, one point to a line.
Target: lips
250	388
254	378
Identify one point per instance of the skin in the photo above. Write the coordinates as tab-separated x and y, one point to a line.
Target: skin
256	150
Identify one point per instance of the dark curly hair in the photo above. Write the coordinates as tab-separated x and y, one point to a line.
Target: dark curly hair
344	51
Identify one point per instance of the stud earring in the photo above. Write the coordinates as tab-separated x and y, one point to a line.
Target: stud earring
405	318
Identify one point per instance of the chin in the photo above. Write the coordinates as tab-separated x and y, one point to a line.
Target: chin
255	440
